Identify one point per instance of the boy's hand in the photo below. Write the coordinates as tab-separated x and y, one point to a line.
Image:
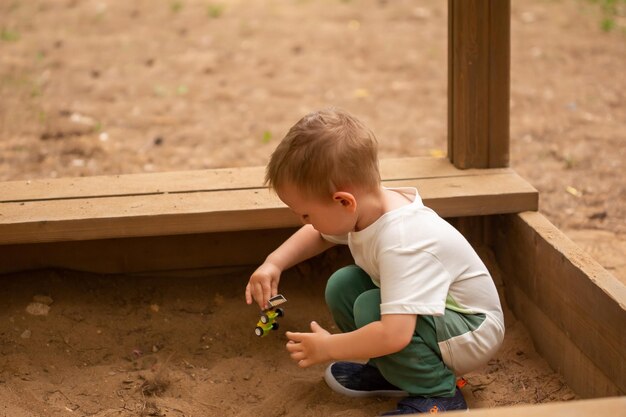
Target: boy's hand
263	284
309	348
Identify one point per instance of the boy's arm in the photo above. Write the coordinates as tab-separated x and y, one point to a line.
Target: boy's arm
389	335
303	244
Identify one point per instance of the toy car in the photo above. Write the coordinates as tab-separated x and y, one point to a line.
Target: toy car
267	321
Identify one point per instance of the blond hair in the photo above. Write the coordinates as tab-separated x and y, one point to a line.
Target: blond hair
324	152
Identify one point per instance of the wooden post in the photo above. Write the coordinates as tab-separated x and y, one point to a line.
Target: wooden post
478	83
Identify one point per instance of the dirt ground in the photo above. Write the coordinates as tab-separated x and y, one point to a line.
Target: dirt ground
184	346
110	87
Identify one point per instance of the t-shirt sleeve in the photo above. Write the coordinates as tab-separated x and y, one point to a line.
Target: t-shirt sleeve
338	239
412	283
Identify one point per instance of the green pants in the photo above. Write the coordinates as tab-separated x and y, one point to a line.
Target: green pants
418	369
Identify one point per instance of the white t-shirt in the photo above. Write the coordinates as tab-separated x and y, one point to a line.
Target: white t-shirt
422	264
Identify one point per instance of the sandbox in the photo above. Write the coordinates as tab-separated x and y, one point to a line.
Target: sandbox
182	344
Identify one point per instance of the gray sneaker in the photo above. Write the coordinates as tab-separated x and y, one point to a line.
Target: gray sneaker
359	380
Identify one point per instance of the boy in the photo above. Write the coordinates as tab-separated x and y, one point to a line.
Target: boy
419	305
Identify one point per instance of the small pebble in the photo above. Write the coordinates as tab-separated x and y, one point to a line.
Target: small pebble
38	309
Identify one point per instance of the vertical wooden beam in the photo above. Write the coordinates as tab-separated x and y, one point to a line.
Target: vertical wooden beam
478	83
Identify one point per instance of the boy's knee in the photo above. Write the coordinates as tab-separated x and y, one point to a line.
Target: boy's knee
367	308
341	283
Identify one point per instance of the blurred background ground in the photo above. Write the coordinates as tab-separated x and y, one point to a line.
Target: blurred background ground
109	87
113	87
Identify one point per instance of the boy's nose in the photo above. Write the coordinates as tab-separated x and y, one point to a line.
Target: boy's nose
305	219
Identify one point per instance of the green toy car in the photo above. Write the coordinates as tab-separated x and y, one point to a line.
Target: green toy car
268	318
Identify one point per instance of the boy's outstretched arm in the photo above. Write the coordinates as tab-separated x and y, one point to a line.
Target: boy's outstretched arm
303	244
389	335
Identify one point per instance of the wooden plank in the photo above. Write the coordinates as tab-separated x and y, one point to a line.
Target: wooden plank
218	211
200	180
581	298
556	347
478	83
475	196
475	229
146	254
603	407
177	255
131	184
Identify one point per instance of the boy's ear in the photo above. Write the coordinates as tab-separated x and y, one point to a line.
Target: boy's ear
345	199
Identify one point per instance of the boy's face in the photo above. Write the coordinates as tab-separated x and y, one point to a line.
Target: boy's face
334	216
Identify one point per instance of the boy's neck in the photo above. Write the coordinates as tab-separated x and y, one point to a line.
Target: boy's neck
373	204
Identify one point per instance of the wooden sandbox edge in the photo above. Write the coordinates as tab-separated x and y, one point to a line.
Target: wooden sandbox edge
614	406
574	309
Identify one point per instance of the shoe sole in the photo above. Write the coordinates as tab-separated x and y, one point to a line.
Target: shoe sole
340	389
